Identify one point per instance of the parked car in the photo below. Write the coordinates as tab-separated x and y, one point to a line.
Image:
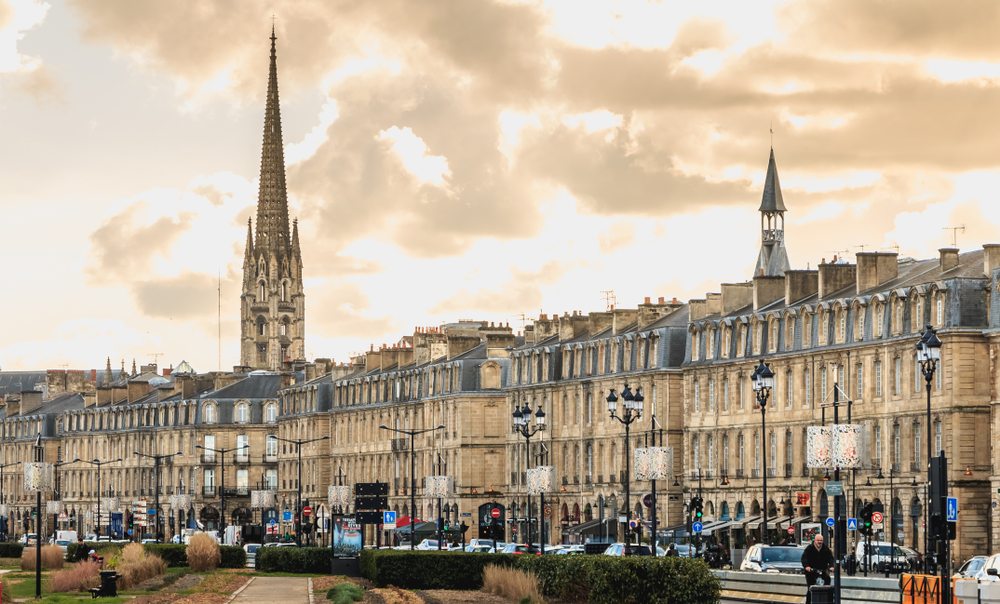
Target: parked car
619	549
520	548
427	544
28	539
63	544
973	568
773	559
479	549
281	544
251	551
885	557
991	569
572	550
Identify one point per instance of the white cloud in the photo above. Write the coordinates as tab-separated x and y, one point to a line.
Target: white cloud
22	16
412	152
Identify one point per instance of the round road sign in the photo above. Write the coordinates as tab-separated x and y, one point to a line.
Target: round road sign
877	517
306	510
495	513
791	530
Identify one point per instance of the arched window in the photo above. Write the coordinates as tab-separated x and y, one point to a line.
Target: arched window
242	413
209	414
284	291
261	290
283	328
261	326
271	413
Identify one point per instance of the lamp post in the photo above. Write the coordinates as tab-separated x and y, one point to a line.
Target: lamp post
98	463
632	404
223	451
763	383
413	468
157	459
892	514
57	495
928	355
654	430
298	501
39	456
522	426
5	518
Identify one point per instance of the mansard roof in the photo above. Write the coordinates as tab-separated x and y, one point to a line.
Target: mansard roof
259	386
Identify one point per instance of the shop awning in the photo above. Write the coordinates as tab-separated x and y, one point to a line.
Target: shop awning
593	527
721	526
752	523
777	522
799	520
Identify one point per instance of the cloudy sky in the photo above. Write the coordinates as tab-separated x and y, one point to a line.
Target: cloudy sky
459	159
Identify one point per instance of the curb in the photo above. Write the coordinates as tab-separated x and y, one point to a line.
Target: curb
309	587
240	590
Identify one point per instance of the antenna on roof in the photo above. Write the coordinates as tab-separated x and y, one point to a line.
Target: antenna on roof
156	357
861	246
610	301
895	246
838	256
954	233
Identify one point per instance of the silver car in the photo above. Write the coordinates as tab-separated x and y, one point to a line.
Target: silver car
773	559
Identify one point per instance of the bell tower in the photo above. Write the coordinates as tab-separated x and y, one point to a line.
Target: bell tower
272	305
772	261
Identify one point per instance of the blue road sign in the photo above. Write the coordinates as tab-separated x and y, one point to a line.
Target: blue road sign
388	517
151	511
272	522
830	522
852	524
697	526
953	509
286	516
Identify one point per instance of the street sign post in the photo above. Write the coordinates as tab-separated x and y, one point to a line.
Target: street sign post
852	524
877	517
696	527
952	509
830	522
388	520
495	513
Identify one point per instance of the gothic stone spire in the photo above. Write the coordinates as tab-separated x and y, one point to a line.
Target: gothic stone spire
272	198
772	260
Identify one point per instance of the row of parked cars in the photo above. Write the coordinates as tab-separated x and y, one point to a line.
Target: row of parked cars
880	556
488	546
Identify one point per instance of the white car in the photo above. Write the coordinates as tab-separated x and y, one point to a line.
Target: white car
427	544
884	556
773	559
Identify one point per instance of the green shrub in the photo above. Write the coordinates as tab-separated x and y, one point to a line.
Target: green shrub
10	550
233	556
345	593
173	554
294	559
609	580
428	569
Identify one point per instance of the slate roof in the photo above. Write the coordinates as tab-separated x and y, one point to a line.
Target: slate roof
771	200
250	387
13	382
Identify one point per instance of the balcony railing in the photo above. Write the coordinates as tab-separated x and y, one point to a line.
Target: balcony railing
805	470
209	457
241	457
772	472
208	491
237	491
400	444
740	473
788	470
270	458
915	466
755	473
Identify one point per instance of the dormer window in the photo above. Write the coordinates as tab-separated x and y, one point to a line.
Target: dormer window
242	414
209	414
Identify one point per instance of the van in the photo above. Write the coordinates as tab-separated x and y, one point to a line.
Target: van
885	557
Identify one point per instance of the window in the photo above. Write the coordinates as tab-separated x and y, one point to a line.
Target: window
789	332
878	319
271	446
842	325
772	463
897	376
938	377
261	326
740	454
741	341
917	319
695	344
878	378
242	447
284	291
727	342
938	441
697	395
897	445
789	456
840	376
208	413
859	323
210	478
877	445
242	480
710	343
806	330
260	292
807	386
758	335
772	345
740	390
271	413
711	395
724	465
271	479
590	462
822	327
242	413
859	376
209	452
590	406
725	394
710	443
939	309
695	452
788	388
756	453
916	443
283	328
822	383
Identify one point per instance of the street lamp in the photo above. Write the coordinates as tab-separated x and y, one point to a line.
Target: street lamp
632	404
892	513
298	513
928	356
99	464
157	459
763	383
223	451
57	494
522	426
413	465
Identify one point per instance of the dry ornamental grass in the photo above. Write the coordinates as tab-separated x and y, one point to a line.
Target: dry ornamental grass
203	553
511	583
52	558
76	577
135	565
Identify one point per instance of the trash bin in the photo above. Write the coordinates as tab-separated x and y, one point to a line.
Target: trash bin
821	594
109	584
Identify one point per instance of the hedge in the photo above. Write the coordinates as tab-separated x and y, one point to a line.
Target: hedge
10	550
610	580
428	569
595	579
233	556
294	559
173	554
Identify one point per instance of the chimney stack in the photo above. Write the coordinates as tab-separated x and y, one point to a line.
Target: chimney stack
949	258
835	277
876	268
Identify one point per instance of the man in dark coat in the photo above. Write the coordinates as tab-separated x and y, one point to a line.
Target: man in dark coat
817	560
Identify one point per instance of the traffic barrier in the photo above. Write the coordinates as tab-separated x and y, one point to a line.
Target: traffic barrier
740	586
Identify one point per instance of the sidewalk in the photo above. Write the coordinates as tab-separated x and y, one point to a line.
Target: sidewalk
288	590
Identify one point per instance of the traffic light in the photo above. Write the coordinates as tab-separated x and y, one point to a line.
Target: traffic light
698	509
866	519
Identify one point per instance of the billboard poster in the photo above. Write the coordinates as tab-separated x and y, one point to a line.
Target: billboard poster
346	538
116	525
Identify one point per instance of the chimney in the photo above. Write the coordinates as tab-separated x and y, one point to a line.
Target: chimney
736	296
799	285
714	300
991	258
622	318
457	344
651	313
876	268
498	343
766	290
30	401
599	321
949	258
835	277
697	309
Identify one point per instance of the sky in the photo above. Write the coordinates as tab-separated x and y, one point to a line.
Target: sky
460	159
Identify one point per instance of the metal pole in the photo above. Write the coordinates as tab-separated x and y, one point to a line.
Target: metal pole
298	501
527	463
838	531
763	453
97	529
413	488
38	525
628	504
928	376
222	495
156	502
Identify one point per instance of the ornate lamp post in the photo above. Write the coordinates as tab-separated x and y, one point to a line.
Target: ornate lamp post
38	478
928	356
413	468
157	459
298	501
763	383
99	464
522	426
632	404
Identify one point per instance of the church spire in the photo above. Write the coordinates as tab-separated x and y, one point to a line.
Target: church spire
772	260
272	198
